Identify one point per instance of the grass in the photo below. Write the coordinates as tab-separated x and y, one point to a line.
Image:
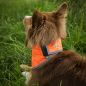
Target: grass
12	49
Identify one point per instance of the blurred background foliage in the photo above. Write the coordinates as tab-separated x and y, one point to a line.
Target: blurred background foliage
12	49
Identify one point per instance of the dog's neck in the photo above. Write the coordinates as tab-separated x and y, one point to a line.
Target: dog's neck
49	54
39	54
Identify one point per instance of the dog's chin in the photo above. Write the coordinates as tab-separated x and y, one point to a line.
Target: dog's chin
27	76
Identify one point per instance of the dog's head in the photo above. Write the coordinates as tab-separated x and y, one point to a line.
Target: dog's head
44	27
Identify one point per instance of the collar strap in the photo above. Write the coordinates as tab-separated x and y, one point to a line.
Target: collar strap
46	53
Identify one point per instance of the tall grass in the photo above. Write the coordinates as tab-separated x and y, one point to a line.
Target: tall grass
12	49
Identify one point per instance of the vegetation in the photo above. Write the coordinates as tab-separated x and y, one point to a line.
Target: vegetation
12	49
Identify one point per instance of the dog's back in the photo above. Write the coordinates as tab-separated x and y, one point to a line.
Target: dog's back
65	69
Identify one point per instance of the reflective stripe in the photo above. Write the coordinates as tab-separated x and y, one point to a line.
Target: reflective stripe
56	52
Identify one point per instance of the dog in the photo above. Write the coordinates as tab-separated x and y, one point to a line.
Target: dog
42	28
66	68
45	29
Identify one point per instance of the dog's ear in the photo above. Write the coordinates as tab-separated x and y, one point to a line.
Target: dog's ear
37	19
60	18
62	11
27	20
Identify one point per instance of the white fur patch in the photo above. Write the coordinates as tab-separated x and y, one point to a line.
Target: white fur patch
27	75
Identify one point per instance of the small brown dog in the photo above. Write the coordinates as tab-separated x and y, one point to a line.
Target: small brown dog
43	28
66	68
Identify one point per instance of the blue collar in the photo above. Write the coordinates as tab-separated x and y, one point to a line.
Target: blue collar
47	54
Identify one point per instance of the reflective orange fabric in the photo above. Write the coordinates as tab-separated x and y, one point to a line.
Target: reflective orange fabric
37	56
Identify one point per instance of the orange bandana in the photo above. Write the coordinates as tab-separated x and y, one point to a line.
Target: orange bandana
37	55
